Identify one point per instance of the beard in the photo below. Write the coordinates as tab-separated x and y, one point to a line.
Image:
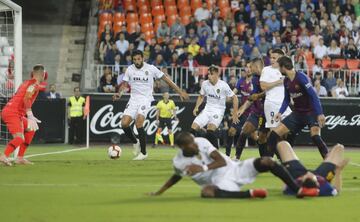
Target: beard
139	66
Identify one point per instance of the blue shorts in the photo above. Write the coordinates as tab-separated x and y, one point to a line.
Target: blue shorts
258	121
296	122
296	169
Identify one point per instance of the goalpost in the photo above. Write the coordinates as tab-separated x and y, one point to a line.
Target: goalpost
10	55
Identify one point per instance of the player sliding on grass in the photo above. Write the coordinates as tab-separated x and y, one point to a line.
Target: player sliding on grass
330	169
18	117
140	76
221	177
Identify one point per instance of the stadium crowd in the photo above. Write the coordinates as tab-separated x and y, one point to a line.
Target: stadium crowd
312	32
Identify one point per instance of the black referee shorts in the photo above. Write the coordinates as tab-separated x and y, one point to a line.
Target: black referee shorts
163	122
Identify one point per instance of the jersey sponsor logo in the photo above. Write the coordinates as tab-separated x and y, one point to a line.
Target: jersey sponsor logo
105	121
146	73
214	96
216	116
141	79
217	90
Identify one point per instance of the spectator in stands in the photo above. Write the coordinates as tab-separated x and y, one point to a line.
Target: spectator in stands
108	86
351	52
159	61
177	29
192	24
300	63
203	38
135	36
304	38
225	46
241	15
333	64
202	13
356	37
264	46
122	44
333	51
156	51
273	24
255	53
107	31
130	49
320	51
292	45
340	91
193	48
268	12
174	62
330	81
141	43
105	48
203	58
315	38
163	30
318	76
215	56
117	63
204	27
232	82
191	34
192	65
235	62
317	68
52	94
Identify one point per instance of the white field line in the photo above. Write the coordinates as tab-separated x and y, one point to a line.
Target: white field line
122	185
57	152
354	164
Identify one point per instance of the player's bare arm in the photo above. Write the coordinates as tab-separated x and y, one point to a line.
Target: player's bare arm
183	95
199	101
172	181
256	96
218	162
121	92
235	101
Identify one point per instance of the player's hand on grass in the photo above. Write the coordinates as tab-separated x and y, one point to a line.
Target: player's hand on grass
193	169
321	120
195	111
277	117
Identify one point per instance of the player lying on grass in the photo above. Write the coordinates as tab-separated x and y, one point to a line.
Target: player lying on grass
330	169
221	177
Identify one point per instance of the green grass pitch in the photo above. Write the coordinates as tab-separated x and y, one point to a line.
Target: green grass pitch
87	186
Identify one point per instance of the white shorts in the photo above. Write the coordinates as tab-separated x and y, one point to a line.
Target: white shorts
242	173
134	108
209	116
270	110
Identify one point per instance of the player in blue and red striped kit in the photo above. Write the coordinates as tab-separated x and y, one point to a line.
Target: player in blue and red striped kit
307	110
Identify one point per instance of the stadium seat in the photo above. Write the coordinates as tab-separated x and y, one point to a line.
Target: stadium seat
8	50
353	64
223	4
4	41
105	17
130	8
195	4
103	24
225	60
4	61
158	10
147	27
158	19
144	9
171	19
149	35
117	27
145	18
325	62
210	4
143	2
171	10
119	17
131	27
185	20
185	11
156	3
182	3
132	17
340	62
225	11
168	3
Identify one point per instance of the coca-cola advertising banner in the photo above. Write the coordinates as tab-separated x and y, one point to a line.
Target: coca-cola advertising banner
342	120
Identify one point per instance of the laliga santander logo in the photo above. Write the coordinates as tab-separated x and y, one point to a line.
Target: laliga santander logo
106	121
332	121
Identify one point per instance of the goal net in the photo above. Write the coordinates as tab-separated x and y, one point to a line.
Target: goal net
10	55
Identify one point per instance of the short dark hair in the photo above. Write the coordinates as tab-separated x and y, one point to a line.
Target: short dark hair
137	52
256	60
309	183
38	67
278	51
75	88
213	68
285	61
183	138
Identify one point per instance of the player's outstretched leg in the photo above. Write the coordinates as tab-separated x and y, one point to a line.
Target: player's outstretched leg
125	125
230	140
262	144
211	191
29	135
142	138
318	141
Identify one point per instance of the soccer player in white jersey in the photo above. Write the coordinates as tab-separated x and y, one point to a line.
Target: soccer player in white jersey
219	176
271	81
140	76
216	91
